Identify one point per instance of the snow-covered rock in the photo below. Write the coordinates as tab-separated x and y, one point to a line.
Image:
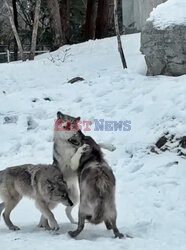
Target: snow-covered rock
170	13
163	39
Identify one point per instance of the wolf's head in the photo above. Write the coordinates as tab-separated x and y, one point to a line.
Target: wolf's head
66	126
58	191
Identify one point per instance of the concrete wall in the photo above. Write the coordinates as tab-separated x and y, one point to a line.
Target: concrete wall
135	12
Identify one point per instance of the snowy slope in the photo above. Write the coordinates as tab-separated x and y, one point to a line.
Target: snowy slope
151	193
170	13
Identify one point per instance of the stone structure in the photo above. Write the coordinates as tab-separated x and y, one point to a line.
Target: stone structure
164	50
135	13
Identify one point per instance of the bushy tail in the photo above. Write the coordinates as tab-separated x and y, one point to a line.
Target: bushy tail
108	146
2	206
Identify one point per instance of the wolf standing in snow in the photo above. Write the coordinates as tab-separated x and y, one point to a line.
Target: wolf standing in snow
97	186
63	151
43	183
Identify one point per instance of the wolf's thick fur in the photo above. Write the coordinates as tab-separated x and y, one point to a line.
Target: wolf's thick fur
43	183
97	186
63	151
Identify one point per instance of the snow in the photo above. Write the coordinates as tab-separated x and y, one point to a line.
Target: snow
170	13
151	188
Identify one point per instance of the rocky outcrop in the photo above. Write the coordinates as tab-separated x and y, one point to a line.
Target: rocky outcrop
164	50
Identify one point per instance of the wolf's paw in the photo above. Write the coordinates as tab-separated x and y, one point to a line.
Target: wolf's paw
54	226
73	234
14	228
44	226
85	148
119	235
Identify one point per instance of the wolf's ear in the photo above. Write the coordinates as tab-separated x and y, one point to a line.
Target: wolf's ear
59	115
78	118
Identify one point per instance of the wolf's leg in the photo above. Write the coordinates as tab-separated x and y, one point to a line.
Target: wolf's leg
42	206
2	206
74	196
115	229
81	224
108	225
68	211
74	162
110	218
44	223
9	206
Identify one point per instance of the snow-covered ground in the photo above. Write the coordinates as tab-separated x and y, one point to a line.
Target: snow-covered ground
170	13
151	189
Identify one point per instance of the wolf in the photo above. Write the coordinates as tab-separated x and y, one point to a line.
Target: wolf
43	183
97	186
66	127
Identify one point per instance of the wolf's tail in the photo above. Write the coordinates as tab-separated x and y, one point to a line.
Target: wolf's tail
2	206
107	146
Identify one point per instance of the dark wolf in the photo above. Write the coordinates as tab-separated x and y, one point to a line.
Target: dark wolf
97	186
66	127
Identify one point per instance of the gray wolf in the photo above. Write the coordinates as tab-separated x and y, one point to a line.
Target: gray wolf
97	186
63	151
43	183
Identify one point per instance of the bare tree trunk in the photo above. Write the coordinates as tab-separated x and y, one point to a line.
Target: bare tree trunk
102	21
120	49
90	24
120	16
11	18
64	9
35	29
55	23
14	5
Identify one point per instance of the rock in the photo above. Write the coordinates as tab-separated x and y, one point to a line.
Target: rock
76	79
169	142
161	142
164	50
31	124
34	100
10	119
47	99
182	142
